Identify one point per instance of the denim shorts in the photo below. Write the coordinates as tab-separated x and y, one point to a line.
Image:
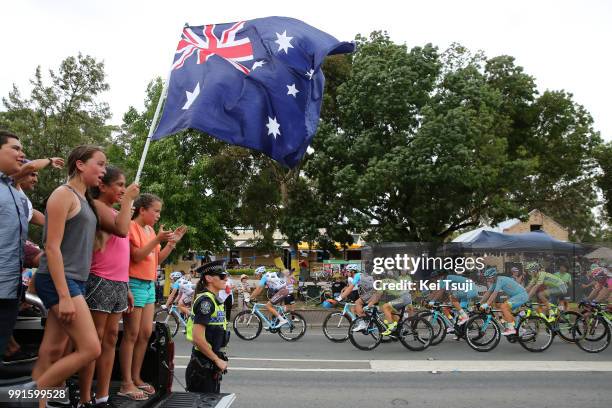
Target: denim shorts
143	292
45	289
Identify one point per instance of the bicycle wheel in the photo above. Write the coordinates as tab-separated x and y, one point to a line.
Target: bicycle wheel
247	325
565	322
295	329
368	338
336	326
592	334
162	316
482	333
416	333
535	334
438	325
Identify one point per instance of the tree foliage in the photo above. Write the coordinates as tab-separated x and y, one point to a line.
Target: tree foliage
60	113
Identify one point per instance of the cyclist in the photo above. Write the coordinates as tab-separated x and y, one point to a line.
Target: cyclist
566	277
543	285
182	292
603	285
278	284
353	294
517	296
400	299
367	294
459	298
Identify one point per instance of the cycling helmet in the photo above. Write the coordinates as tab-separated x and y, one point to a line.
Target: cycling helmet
176	275
599	273
490	272
533	267
261	270
352	267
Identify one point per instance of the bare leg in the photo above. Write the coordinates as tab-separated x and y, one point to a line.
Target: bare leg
86	374
131	326
83	334
104	364
142	341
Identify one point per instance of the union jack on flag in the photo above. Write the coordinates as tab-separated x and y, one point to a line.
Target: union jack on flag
234	51
255	83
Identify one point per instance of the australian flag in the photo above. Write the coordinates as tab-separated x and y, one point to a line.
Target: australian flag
255	83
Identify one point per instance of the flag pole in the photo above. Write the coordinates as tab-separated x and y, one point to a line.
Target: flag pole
162	97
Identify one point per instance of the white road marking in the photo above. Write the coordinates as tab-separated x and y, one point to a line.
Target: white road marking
413	366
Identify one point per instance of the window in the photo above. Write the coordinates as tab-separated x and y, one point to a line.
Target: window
535	227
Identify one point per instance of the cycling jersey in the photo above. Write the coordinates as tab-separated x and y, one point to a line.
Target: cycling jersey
366	286
397	297
507	285
548	279
565	277
185	289
351	281
469	293
273	280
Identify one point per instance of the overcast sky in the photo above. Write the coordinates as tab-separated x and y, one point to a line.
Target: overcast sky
563	44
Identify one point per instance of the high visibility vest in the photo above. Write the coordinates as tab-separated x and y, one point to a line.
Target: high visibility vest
217	318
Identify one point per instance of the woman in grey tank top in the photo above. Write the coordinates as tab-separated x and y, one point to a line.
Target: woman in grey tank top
70	227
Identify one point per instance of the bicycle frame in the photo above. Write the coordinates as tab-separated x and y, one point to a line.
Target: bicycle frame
346	311
174	310
257	310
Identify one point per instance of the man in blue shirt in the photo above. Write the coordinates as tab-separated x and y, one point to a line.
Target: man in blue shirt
13	232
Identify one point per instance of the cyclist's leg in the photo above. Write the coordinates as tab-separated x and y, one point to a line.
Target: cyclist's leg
359	307
542	297
276	299
387	310
184	305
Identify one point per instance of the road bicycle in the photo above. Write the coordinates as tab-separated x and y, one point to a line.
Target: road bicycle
533	333
441	323
414	332
561	321
336	324
248	324
172	317
592	329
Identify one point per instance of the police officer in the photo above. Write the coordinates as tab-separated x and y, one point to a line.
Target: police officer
207	330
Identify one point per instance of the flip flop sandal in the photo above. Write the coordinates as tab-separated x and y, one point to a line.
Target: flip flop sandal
146	388
134	395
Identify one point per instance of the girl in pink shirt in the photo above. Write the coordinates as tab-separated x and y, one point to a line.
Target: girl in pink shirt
107	291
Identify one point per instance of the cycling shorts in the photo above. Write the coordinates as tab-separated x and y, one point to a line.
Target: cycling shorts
519	300
552	291
279	296
290	299
401	302
353	296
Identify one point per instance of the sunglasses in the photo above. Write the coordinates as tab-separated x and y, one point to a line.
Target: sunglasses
222	276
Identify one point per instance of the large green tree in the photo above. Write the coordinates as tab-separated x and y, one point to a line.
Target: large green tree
420	144
60	113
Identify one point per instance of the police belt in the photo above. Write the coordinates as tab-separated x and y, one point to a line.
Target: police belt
204	362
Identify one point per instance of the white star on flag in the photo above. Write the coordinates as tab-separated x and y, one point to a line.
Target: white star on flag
292	90
258	64
191	96
310	73
284	42
273	127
